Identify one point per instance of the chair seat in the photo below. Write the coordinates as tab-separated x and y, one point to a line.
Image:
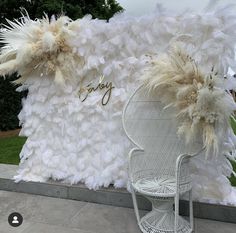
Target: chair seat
159	186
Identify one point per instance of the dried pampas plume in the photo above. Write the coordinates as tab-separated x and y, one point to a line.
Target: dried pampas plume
203	105
40	47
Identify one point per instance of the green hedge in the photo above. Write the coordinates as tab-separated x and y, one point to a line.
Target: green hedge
233	178
10	103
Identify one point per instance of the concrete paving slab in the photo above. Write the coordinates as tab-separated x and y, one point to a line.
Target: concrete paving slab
46	228
207	226
8	171
79	217
106	219
17	202
39	208
6	228
55	211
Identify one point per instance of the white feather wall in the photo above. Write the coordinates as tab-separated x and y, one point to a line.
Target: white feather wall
76	141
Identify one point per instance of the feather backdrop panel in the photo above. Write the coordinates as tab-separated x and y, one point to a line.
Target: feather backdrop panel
75	141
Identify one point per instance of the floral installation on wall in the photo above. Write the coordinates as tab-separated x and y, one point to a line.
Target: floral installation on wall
40	47
201	99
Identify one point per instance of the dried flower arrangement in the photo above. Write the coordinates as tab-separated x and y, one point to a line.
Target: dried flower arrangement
40	47
202	104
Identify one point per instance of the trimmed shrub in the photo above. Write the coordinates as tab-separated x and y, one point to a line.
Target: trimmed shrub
10	103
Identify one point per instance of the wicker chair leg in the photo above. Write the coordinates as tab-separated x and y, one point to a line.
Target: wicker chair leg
191	211
176	212
135	203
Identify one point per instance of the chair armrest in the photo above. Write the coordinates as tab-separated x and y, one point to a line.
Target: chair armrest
133	153
186	156
179	163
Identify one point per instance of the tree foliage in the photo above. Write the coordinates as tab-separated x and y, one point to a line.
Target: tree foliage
102	9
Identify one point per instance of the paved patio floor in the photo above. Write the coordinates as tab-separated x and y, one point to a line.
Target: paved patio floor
54	215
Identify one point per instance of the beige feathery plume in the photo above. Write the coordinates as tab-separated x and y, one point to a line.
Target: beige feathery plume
201	106
39	47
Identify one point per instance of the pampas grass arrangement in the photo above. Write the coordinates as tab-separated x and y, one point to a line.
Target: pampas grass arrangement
38	47
203	106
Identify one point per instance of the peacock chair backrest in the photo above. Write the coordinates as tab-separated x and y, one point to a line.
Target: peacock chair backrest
153	128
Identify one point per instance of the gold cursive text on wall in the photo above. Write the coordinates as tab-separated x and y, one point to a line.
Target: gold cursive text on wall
108	86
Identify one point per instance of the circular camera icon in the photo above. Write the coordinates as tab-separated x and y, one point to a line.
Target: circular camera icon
15	219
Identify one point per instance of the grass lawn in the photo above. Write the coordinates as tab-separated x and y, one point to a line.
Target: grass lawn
10	148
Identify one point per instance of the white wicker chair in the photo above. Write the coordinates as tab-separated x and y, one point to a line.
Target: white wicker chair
159	165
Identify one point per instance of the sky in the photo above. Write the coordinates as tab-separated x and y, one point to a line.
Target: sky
142	7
